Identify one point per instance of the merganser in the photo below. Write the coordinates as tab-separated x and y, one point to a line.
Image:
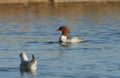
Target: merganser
27	65
64	37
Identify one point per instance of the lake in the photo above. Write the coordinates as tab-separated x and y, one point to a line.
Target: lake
30	28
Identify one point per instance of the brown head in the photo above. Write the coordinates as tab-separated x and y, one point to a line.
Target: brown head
64	29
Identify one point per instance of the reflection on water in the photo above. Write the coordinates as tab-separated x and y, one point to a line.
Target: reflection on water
33	72
30	28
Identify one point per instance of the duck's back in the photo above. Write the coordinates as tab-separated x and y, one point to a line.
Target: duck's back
74	39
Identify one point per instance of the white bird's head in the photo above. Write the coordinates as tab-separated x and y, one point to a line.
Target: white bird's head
23	57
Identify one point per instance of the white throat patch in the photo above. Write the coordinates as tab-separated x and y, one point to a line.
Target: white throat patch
63	38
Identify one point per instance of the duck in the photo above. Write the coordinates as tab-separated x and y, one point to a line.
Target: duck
64	38
27	65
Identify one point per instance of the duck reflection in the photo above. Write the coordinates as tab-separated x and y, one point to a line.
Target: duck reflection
64	44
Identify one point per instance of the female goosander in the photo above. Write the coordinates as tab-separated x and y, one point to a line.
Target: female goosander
64	37
27	65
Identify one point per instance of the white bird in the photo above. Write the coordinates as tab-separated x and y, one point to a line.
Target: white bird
27	65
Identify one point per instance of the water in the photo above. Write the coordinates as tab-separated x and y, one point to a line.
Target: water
30	29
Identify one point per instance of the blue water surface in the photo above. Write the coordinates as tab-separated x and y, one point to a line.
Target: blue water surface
31	30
